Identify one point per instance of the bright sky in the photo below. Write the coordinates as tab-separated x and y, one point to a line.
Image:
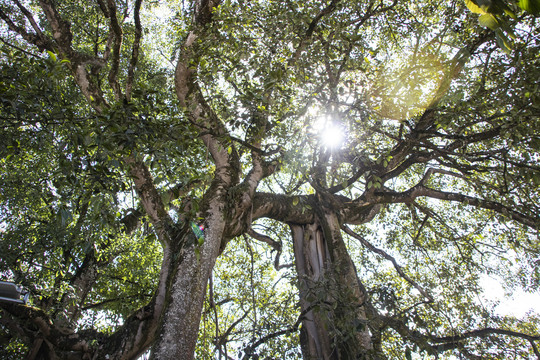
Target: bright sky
517	305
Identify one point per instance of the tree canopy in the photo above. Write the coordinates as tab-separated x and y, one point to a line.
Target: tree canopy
269	179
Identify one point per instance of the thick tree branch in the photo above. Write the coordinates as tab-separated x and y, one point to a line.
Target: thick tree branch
151	199
204	9
116	30
298	209
104	8
78	61
30	18
61	29
483	333
41	42
199	112
420	190
37	320
283	208
135	49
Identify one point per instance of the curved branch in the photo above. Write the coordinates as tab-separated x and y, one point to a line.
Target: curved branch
135	50
198	111
482	333
116	31
36	319
283	208
78	61
420	190
276	245
311	28
150	199
248	350
42	42
535	349
299	209
385	255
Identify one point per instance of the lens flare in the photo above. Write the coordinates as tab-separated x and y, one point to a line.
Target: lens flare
333	136
330	134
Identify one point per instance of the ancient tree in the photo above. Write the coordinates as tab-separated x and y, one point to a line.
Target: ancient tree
324	180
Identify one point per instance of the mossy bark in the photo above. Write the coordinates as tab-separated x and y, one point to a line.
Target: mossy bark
335	324
179	328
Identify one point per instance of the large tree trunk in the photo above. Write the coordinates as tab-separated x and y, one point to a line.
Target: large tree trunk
187	283
335	324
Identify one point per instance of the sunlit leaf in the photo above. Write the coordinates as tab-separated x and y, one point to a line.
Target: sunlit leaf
531	6
489	21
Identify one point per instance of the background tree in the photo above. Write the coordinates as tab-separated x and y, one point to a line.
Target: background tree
129	125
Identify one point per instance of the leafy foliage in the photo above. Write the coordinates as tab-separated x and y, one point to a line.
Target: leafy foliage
437	174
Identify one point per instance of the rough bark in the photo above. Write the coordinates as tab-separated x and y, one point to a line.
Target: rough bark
310	255
335	325
180	322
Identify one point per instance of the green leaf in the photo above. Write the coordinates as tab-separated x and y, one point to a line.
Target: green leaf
504	43
489	21
474	7
52	55
295	200
510	13
530	6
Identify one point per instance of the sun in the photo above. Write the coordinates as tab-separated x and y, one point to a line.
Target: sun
333	136
330	134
